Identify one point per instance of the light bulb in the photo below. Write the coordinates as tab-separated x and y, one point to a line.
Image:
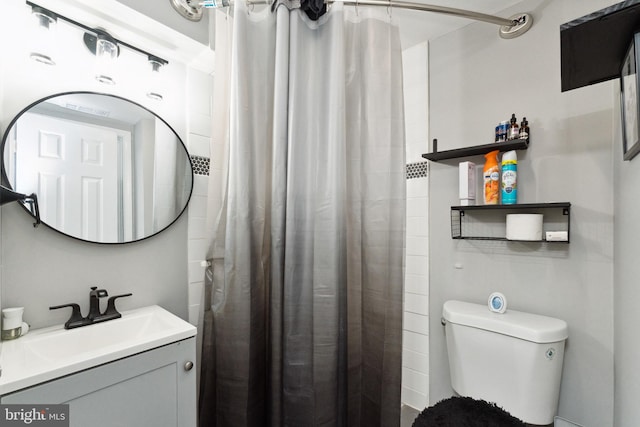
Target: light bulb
44	41
106	54
155	79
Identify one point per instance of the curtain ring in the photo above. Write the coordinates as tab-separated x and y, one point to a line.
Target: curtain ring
390	10
357	14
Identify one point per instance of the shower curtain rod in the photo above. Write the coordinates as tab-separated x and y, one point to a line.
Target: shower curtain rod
511	27
428	8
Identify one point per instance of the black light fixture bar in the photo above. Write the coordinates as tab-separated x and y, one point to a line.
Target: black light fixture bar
96	32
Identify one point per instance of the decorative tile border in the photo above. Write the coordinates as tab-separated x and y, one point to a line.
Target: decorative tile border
417	170
413	170
200	165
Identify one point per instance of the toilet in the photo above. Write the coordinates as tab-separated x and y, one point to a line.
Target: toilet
513	359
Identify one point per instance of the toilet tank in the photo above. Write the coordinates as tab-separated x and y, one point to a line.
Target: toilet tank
512	359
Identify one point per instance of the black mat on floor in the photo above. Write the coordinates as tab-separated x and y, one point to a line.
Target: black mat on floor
465	412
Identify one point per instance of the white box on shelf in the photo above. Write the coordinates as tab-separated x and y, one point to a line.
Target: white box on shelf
556	236
467	183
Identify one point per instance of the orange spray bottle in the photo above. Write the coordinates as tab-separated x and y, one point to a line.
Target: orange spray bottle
491	175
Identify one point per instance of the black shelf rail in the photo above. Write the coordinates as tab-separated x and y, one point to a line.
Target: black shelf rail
518	206
458	213
516	144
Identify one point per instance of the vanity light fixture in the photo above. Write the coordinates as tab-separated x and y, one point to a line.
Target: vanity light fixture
98	41
106	50
44	42
155	79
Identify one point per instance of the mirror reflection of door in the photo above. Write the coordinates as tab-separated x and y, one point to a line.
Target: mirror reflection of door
70	167
105	169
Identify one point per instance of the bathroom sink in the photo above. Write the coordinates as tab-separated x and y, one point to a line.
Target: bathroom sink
49	353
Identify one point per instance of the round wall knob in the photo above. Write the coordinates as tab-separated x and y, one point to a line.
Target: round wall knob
188	366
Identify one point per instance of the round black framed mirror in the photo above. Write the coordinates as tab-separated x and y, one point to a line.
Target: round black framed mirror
104	169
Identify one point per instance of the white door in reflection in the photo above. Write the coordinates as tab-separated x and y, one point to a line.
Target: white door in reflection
71	168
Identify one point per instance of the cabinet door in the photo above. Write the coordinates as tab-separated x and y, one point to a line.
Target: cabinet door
148	389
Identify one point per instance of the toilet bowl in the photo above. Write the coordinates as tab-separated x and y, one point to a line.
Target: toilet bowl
513	359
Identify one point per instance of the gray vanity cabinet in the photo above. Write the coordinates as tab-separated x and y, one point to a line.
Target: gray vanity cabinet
154	388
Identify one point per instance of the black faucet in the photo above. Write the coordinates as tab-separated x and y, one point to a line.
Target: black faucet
76	320
94	302
95	316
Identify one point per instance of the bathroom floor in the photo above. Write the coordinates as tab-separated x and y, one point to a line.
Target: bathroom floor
407	416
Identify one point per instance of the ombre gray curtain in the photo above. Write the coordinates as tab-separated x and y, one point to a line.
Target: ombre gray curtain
303	320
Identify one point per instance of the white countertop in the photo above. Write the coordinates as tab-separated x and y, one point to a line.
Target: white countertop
49	353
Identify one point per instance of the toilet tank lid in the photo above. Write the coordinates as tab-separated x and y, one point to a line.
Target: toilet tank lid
526	326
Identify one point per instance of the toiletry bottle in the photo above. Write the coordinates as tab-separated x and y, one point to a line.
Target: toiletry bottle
524	129
501	131
491	175
509	178
514	129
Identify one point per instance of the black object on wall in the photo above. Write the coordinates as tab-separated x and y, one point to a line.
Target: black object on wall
315	8
7	196
592	47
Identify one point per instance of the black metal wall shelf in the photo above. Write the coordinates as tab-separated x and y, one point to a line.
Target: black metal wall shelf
516	144
462	228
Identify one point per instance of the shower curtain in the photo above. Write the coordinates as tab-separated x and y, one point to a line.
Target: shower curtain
303	320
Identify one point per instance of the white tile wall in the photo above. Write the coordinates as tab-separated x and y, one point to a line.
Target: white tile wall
415	285
417	304
415	352
417	245
417	323
200	90
412	398
198	144
416	360
415	342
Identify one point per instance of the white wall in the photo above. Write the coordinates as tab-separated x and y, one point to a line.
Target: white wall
163	12
477	80
626	287
200	85
415	351
40	267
